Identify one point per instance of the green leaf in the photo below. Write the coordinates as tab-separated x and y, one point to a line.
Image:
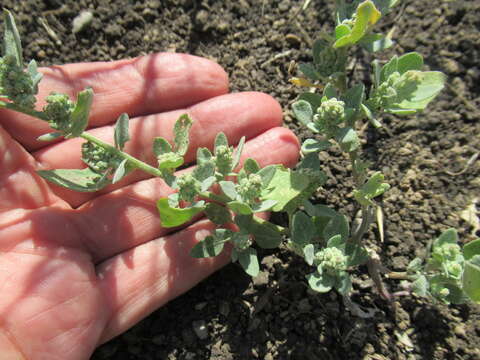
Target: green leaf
120	172
204	155
161	146
81	113
366	16
267	235
341	31
181	130
315	146
372	188
34	75
354	96
208	182
313	99
267	173
217	214
171	216
212	245
336	241
121	134
356	254
449	236
303	111
82	180
302	229
239	207
344	284
415	266
263	206
330	91
11	39
471	278
288	188
251	166
238	152
50	136
338	225
409	61
471	249
309	254
376	42
204	171
249	261
221	140
415	89
348	139
309	71
228	188
420	286
169	161
321	282
388	69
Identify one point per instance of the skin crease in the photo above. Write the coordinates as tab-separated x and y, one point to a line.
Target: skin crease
79	269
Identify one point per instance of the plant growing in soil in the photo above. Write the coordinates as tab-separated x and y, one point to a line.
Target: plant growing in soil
324	236
229	194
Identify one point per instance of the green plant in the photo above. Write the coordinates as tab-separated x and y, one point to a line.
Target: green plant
230	194
398	87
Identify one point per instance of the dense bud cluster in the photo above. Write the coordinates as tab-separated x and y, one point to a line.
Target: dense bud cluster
385	94
189	187
250	187
329	115
331	260
224	159
58	109
16	84
98	159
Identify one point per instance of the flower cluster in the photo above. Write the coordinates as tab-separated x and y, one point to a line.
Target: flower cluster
15	83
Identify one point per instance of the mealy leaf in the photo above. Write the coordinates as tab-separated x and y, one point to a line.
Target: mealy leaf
238	152
415	266
120	171
471	249
207	183
313	99
82	180
336	241
471	278
388	69
161	146
217	214
356	254
309	254
348	139
228	188
121	134
212	245
263	206
249	261
81	112
267	173
171	217
338	225
204	171
267	235
251	166
321	282
204	155
34	75
315	146
239	207
50	136
303	111
309	71
221	140
449	236
376	42
342	30
354	96
169	161
302	229
343	283
181	131
11	39
372	188
420	286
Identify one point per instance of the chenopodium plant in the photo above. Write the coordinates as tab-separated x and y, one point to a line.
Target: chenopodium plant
213	188
324	236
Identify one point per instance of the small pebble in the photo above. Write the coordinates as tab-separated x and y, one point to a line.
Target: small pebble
82	21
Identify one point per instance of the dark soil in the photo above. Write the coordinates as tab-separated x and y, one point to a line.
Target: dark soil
275	316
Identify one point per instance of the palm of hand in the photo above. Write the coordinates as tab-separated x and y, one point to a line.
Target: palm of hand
79	269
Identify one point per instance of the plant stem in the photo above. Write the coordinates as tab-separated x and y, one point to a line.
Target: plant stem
366	221
398	275
375	269
11	106
133	161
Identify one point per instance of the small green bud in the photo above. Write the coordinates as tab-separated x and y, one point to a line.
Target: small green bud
98	159
448	251
189	187
58	109
454	269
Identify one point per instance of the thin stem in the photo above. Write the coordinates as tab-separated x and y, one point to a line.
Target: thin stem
135	162
11	106
364	225
374	269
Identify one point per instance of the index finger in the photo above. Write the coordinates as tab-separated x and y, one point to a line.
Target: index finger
140	86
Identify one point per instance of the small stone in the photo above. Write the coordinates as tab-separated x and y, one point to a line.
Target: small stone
82	21
200	329
451	66
304	306
201	19
223	27
459	330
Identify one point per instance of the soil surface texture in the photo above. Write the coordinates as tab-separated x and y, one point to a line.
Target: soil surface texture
424	158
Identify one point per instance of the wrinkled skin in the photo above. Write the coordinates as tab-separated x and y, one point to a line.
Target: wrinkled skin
77	269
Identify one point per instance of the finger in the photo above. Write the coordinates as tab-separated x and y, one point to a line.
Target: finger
20	187
128	217
241	114
139	86
146	277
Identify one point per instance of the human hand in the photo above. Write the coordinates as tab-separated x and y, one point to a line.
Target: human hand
77	269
